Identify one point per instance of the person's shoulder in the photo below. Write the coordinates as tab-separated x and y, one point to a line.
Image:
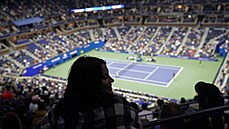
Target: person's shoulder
119	99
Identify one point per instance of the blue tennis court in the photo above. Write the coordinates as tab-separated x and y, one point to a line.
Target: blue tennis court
144	73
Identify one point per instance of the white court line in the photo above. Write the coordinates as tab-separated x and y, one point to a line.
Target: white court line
149	66
141	79
174	76
161	66
143	64
179	72
110	63
143	82
117	73
168	68
116	60
132	70
150	73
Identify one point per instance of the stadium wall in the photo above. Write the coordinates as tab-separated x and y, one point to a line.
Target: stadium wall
183	57
37	68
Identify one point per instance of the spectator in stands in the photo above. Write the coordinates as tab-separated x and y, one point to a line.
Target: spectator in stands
182	100
145	111
45	96
183	104
209	96
7	94
194	106
89	101
159	103
19	96
29	93
33	106
169	110
54	98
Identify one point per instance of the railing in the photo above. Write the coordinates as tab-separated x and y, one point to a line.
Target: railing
183	107
186	116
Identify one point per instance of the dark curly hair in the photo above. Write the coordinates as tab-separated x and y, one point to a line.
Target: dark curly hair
84	91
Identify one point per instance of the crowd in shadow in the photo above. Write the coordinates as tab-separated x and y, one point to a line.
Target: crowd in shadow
208	97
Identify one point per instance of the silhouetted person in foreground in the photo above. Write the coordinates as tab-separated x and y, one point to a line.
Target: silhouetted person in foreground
169	110
89	102
209	96
11	121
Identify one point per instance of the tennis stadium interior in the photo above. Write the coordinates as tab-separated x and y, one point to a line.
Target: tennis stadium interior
154	49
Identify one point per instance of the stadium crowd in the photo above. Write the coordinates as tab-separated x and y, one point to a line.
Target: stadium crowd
156	27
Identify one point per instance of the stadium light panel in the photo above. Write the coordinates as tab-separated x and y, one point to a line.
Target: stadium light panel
98	8
77	10
88	9
107	7
117	6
